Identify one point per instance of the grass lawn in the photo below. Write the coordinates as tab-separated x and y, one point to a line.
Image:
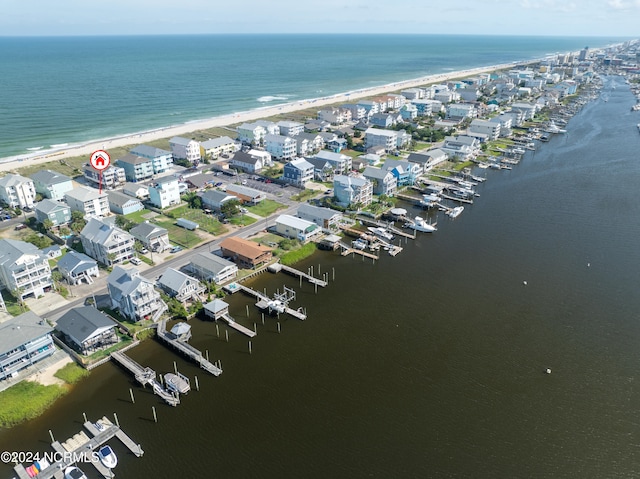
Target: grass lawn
352	153
138	216
242	220
178	235
98	355
71	373
292	257
304	195
205	222
25	401
266	208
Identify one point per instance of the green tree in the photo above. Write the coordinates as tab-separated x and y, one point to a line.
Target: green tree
230	208
47	224
125	223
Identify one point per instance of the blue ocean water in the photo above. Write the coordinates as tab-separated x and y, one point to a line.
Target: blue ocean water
61	90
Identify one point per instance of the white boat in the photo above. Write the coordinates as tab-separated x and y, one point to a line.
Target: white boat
72	472
381	232
359	244
177	382
455	212
107	456
276	305
419	224
553	128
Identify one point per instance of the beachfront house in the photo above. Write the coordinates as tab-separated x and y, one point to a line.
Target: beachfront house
290	128
87	329
181	286
24	269
88	201
136	168
113	177
297	228
217	147
246	254
16	191
122	204
280	147
298	172
164	192
161	160
325	218
78	267
185	149
134	296
341	163
251	134
51	184
336	116
209	267
24	341
56	212
384	182
352	190
358	112
106	243
245	194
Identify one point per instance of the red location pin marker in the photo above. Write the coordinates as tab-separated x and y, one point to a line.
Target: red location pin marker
100	160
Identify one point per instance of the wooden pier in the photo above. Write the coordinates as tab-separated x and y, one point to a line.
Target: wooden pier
277	267
80	449
263	303
187	349
238	327
390	227
145	376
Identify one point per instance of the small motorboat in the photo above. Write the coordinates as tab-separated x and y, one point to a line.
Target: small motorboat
455	212
419	224
177	382
73	472
107	456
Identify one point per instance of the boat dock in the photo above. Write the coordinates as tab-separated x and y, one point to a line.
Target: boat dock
187	349
391	228
238	327
347	250
80	449
276	267
263	303
145	376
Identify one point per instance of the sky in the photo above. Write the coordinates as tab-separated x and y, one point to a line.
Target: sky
608	18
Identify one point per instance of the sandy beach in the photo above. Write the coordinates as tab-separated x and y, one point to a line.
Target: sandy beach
11	163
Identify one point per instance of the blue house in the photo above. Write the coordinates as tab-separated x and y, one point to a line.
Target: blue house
122	204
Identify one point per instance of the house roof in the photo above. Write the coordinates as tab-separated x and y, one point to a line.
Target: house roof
215	196
244	190
48	177
149	151
377	173
47	206
11	252
200	180
243	247
318	211
76	262
125	281
216	306
19	330
83	322
98	231
147	231
216	142
133	159
174	280
211	262
10	180
319	163
331	156
179	140
120	199
299	164
296	223
83	194
244	157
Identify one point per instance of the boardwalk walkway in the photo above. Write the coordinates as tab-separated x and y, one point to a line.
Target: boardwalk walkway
187	349
238	327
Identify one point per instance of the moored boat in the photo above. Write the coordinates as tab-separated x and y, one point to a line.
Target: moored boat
177	382
381	232
455	212
107	457
73	472
420	224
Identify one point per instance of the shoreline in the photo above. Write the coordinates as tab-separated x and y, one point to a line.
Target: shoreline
86	148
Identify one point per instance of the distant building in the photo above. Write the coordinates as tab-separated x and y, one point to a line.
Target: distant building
290	128
161	160
24	341
246	254
54	211
106	243
17	191
51	184
209	267
24	269
88	201
217	147
87	330
185	149
134	296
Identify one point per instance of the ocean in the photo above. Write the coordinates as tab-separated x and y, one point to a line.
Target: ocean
69	90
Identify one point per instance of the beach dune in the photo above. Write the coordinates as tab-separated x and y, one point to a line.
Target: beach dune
11	163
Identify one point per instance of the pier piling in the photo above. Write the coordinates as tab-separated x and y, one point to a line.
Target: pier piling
84	416
278	326
197	384
51	435
133	400
226	334
249	347
155	416
217	330
115	416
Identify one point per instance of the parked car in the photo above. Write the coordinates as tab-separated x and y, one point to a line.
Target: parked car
176	249
21	226
144	251
135	261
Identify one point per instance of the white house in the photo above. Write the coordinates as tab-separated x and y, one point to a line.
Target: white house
185	149
78	267
24	269
210	267
349	190
281	147
251	133
17	191
290	128
216	147
297	228
161	160
89	201
164	192
489	128
134	296
106	243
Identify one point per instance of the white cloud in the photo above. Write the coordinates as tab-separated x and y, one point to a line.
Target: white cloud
623	4
550	5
